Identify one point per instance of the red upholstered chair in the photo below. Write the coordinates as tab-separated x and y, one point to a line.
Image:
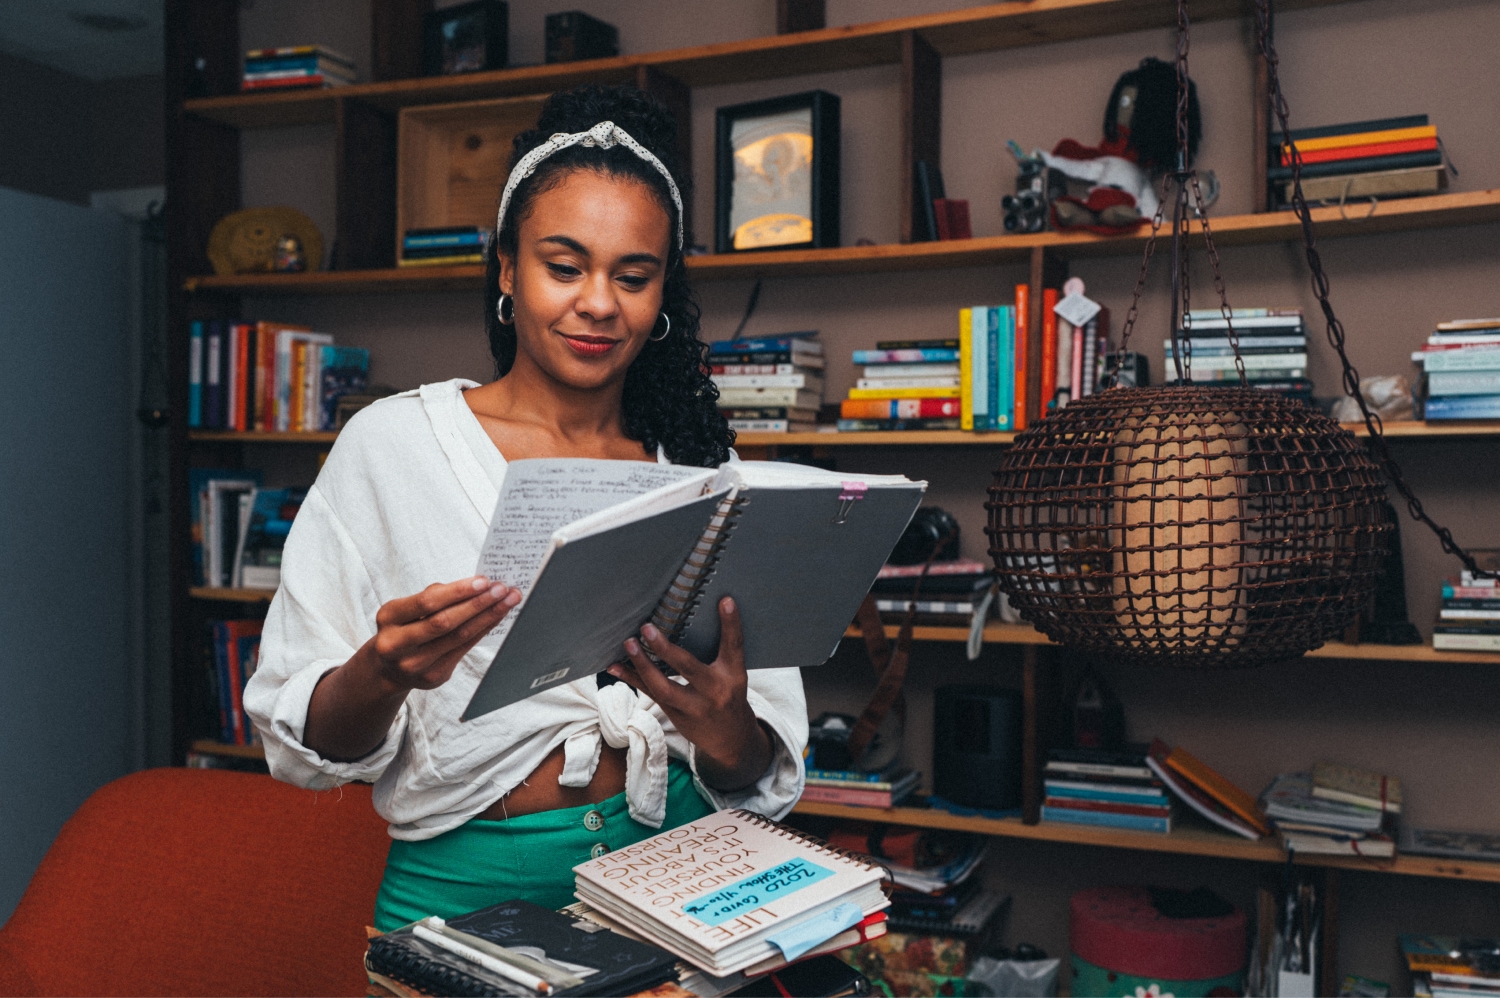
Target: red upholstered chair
201	882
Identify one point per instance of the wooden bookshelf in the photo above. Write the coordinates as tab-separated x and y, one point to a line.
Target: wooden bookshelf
262	437
1434	211
206	746
1025	634
224	595
961	32
1190	841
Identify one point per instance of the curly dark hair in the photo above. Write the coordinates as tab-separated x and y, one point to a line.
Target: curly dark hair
669	399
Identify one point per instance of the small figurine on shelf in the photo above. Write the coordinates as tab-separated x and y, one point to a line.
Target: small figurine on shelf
1140	142
289	258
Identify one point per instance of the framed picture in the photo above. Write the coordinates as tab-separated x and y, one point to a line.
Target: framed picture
466	38
776	167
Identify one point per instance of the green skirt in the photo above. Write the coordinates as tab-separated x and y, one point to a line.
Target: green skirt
530	858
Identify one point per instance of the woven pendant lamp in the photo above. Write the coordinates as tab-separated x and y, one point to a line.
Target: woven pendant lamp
1189	525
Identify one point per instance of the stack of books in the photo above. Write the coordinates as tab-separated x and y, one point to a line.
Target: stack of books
1360	159
906	385
886	788
1110	787
239	528
443	247
1461	360
269	376
951	592
1330	811
235	650
1450	967
1273	346
294	66
1469	616
769	385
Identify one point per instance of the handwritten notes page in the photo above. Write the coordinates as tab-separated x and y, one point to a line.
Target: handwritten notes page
543	495
713	891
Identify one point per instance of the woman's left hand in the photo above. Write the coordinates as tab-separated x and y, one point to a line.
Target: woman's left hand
711	709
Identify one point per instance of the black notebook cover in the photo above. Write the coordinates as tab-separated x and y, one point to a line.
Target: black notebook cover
624	965
818	977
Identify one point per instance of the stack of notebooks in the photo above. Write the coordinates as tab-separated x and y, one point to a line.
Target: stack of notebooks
951	592
886	788
1273	346
906	385
1109	787
1469	616
1461	361
269	376
1362	159
1334	810
735	892
443	247
1452	967
294	66
769	385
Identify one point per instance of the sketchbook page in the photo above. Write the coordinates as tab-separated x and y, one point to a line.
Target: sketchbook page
592	594
541	495
805	548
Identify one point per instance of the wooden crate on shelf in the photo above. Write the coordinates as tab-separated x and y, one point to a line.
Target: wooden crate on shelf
451	161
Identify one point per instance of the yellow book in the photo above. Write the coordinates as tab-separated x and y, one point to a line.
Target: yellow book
1367	138
965	370
442	261
908	393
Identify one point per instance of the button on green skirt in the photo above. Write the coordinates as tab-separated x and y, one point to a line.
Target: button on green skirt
531	857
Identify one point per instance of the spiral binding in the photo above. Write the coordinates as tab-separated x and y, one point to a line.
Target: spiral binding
675	609
859	859
389	957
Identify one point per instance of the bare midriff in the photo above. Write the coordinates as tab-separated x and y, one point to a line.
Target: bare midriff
541	792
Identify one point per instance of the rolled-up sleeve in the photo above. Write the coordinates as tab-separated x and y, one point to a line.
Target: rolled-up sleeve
777	698
323	612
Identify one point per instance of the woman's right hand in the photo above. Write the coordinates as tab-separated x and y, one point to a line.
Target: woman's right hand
421	638
418	643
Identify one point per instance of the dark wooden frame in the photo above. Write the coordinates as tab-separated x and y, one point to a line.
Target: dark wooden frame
825	166
496	15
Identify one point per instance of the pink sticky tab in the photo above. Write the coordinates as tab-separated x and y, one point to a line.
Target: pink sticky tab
853	491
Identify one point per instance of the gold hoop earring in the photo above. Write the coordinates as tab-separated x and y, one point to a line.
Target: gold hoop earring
500	309
665	332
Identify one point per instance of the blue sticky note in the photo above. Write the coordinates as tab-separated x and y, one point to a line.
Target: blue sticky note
755	890
803	936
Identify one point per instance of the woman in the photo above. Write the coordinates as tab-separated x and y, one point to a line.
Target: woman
369	657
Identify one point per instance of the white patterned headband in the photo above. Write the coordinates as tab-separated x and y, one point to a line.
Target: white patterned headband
604	135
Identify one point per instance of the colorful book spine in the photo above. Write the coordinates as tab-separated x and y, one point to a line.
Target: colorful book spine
966	369
1363	152
853	796
994	350
1133	822
1049	351
1384	135
1403	161
923	355
1023	356
1004	365
1351	128
195	374
795	344
889	393
211	370
918	408
1464	407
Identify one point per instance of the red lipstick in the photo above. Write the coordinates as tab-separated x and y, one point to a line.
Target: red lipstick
590	346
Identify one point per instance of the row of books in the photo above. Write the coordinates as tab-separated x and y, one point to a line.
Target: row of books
1452	967
239	528
1461	368
442	247
904	385
1469	614
770	384
1334	810
1272	347
235	649
269	376
294	66
1359	159
949	593
887	788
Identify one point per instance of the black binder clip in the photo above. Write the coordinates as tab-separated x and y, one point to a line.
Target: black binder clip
852	493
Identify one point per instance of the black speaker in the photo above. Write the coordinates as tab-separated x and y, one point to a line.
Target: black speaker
976	746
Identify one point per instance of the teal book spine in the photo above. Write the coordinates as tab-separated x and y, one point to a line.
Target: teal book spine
195	375
1005	320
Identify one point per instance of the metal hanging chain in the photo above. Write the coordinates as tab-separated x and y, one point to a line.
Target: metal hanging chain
1187	196
1320	289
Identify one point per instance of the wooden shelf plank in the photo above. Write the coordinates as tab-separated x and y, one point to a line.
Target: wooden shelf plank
1436	211
1025	634
208	746
1190	841
905	438
976	29
232	595
262	437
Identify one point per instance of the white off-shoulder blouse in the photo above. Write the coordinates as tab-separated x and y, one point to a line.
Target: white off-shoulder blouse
403	501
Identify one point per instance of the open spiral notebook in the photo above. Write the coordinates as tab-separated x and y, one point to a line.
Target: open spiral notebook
598	548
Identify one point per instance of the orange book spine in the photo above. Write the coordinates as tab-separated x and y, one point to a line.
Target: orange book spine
1219	788
1023	352
1361	152
1049	351
265	335
298	376
242	403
